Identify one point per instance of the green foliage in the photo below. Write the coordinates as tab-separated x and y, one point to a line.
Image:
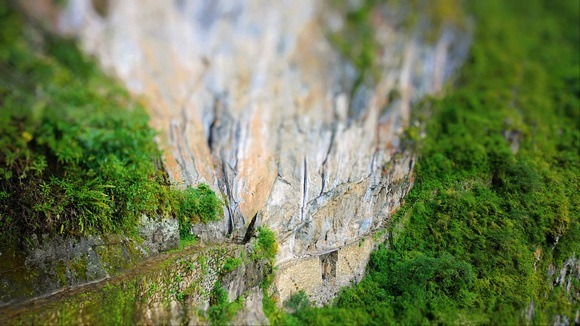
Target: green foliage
483	226
265	249
275	315
297	301
266	246
120	301
231	264
197	205
77	155
221	311
186	239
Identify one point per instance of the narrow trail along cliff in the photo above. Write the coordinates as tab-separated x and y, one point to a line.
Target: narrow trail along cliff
13	311
157	290
252	98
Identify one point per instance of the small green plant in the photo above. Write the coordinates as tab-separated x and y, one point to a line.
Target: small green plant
197	205
221	311
190	266
186	239
297	301
231	264
265	246
203	264
152	289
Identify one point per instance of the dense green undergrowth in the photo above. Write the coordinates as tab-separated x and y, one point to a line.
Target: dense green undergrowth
77	155
486	229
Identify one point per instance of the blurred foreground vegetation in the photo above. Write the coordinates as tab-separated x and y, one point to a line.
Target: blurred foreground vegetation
77	155
484	232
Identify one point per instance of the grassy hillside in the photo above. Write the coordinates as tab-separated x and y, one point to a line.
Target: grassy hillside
484	228
77	155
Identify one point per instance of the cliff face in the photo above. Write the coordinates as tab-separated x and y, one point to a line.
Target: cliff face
251	98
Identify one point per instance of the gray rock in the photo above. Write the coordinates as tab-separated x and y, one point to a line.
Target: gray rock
159	235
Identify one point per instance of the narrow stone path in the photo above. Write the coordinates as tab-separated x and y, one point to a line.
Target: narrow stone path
11	312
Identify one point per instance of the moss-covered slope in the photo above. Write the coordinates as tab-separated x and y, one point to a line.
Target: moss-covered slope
491	230
77	155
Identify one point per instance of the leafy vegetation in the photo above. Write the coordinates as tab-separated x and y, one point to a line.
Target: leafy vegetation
231	264
297	301
266	246
221	310
265	249
197	205
77	155
486	227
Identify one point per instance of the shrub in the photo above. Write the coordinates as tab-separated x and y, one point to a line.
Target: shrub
221	310
197	205
266	246
297	301
231	264
77	155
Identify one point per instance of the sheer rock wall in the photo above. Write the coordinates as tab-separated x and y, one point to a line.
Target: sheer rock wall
252	98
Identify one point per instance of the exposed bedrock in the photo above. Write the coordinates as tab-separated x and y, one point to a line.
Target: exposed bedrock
252	98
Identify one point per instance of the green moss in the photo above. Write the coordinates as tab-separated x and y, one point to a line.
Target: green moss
112	257
61	271
79	267
112	304
124	299
17	281
118	303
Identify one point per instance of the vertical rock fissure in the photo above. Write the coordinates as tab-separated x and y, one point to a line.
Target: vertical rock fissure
304	188
325	162
251	229
230	199
213	126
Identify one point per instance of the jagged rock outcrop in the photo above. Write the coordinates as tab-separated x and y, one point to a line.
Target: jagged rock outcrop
252	98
